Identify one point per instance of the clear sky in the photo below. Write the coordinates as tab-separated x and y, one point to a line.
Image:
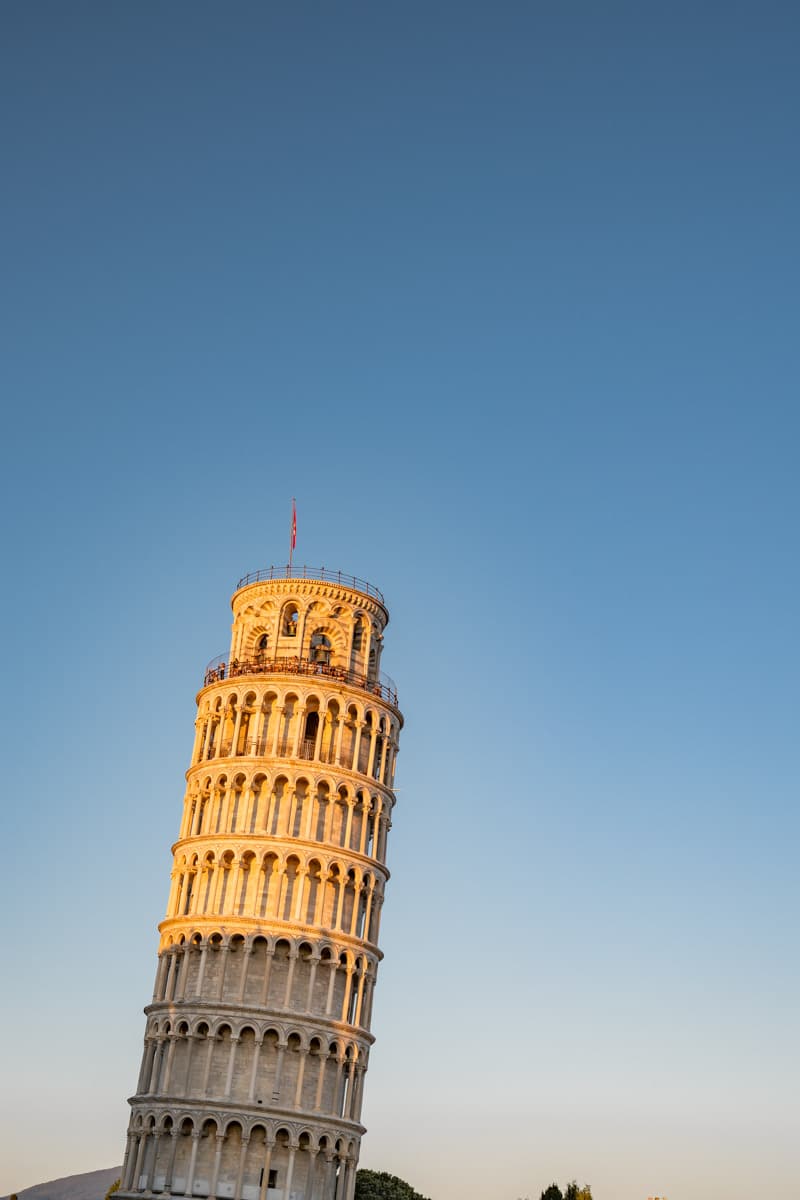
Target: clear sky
507	295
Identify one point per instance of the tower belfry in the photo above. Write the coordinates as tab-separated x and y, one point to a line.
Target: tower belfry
258	1035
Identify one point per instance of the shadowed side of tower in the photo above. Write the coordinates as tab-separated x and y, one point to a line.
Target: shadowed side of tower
258	1034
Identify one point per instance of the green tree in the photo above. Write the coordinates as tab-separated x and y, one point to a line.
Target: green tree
114	1188
379	1185
573	1192
552	1193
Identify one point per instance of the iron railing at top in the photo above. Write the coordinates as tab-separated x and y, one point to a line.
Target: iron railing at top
304	572
219	668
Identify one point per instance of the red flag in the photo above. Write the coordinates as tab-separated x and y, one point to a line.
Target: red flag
294	524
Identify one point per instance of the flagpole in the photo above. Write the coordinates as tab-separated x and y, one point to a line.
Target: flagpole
292	533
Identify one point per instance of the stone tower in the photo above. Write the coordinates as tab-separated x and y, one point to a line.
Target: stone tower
258	1035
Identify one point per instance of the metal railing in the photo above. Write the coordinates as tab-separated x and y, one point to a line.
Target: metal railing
219	668
304	572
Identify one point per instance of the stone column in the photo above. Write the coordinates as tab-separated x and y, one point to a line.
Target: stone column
308	816
172	1039
231	1061
337	1087
206	738
147	1062
360	725
197	808
330	809
356	1109
172	978
249	799
153	1084
151	1170
346	997
341	1178
217	884
338	907
278	711
337	752
226	806
190	1041
383	833
375	920
351	1179
215	804
137	1170
334	965
231	898
217	1159
368	910
360	997
311	1182
290	976
323	1059
198	991
202	881
237	725
276	1083
180	990
127	1163
373	741
352	1085
384	752
318	739
348	828
259	816
357	890
298	1091
211	1039
224	950
329	1176
312	975
247	955
256	729
270	954
300	718
323	883
290	1168
299	894
192	1163
237	1192
173	1150
262	1191
257	1044
366	806
175	886
163	964
366	1023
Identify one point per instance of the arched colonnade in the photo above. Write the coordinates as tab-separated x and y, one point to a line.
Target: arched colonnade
271	974
178	1153
288	723
283	806
308	889
253	1063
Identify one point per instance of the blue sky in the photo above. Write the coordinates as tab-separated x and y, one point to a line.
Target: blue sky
506	296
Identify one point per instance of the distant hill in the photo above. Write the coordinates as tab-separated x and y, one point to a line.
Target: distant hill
93	1185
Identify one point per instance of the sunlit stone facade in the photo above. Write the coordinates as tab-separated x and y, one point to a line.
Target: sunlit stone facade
258	1035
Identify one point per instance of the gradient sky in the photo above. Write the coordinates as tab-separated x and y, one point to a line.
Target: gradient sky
507	295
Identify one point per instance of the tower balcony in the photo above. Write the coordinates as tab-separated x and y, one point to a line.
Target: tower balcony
324	574
220	669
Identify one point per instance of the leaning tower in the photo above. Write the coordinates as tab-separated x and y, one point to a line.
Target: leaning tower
258	1035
